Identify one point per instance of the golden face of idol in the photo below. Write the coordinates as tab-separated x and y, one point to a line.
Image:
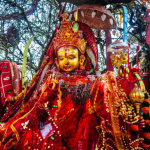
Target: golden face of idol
67	59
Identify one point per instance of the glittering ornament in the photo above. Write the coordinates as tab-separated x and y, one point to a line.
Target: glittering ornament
68	35
75	27
136	97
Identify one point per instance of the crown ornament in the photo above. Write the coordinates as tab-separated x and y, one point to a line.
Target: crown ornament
65	36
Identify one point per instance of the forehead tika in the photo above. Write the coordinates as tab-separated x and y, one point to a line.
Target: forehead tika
63	51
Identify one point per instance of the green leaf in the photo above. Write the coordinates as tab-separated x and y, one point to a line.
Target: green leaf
25	59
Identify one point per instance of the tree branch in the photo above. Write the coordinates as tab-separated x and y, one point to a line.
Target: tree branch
45	49
140	40
25	18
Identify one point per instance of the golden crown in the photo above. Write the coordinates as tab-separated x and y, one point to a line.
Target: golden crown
67	37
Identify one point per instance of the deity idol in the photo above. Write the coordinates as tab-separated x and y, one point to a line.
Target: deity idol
70	107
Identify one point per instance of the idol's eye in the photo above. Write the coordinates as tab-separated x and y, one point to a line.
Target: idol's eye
74	47
72	57
61	58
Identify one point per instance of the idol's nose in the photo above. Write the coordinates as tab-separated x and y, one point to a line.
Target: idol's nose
66	61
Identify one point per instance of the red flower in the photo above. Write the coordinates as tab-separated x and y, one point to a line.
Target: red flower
145	110
135	144
147	100
145	145
134	127
147	122
147	135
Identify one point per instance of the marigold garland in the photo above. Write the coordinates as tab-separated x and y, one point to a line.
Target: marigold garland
51	55
44	62
147	135
147	122
146	117
147	100
135	144
48	71
42	66
31	82
145	110
134	127
46	76
10	99
145	145
20	95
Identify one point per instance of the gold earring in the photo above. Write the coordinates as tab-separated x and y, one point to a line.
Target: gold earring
82	59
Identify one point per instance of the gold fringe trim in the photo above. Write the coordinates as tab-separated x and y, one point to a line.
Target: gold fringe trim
12	125
113	114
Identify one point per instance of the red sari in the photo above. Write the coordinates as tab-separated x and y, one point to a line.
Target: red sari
88	122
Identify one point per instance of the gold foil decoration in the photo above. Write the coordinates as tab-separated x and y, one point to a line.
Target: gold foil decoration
119	58
66	36
136	97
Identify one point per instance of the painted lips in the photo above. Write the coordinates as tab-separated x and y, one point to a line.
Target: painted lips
66	67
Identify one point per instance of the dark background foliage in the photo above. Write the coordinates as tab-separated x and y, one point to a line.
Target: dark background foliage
21	20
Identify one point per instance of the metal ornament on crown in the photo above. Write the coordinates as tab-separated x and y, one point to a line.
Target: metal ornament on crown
67	37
